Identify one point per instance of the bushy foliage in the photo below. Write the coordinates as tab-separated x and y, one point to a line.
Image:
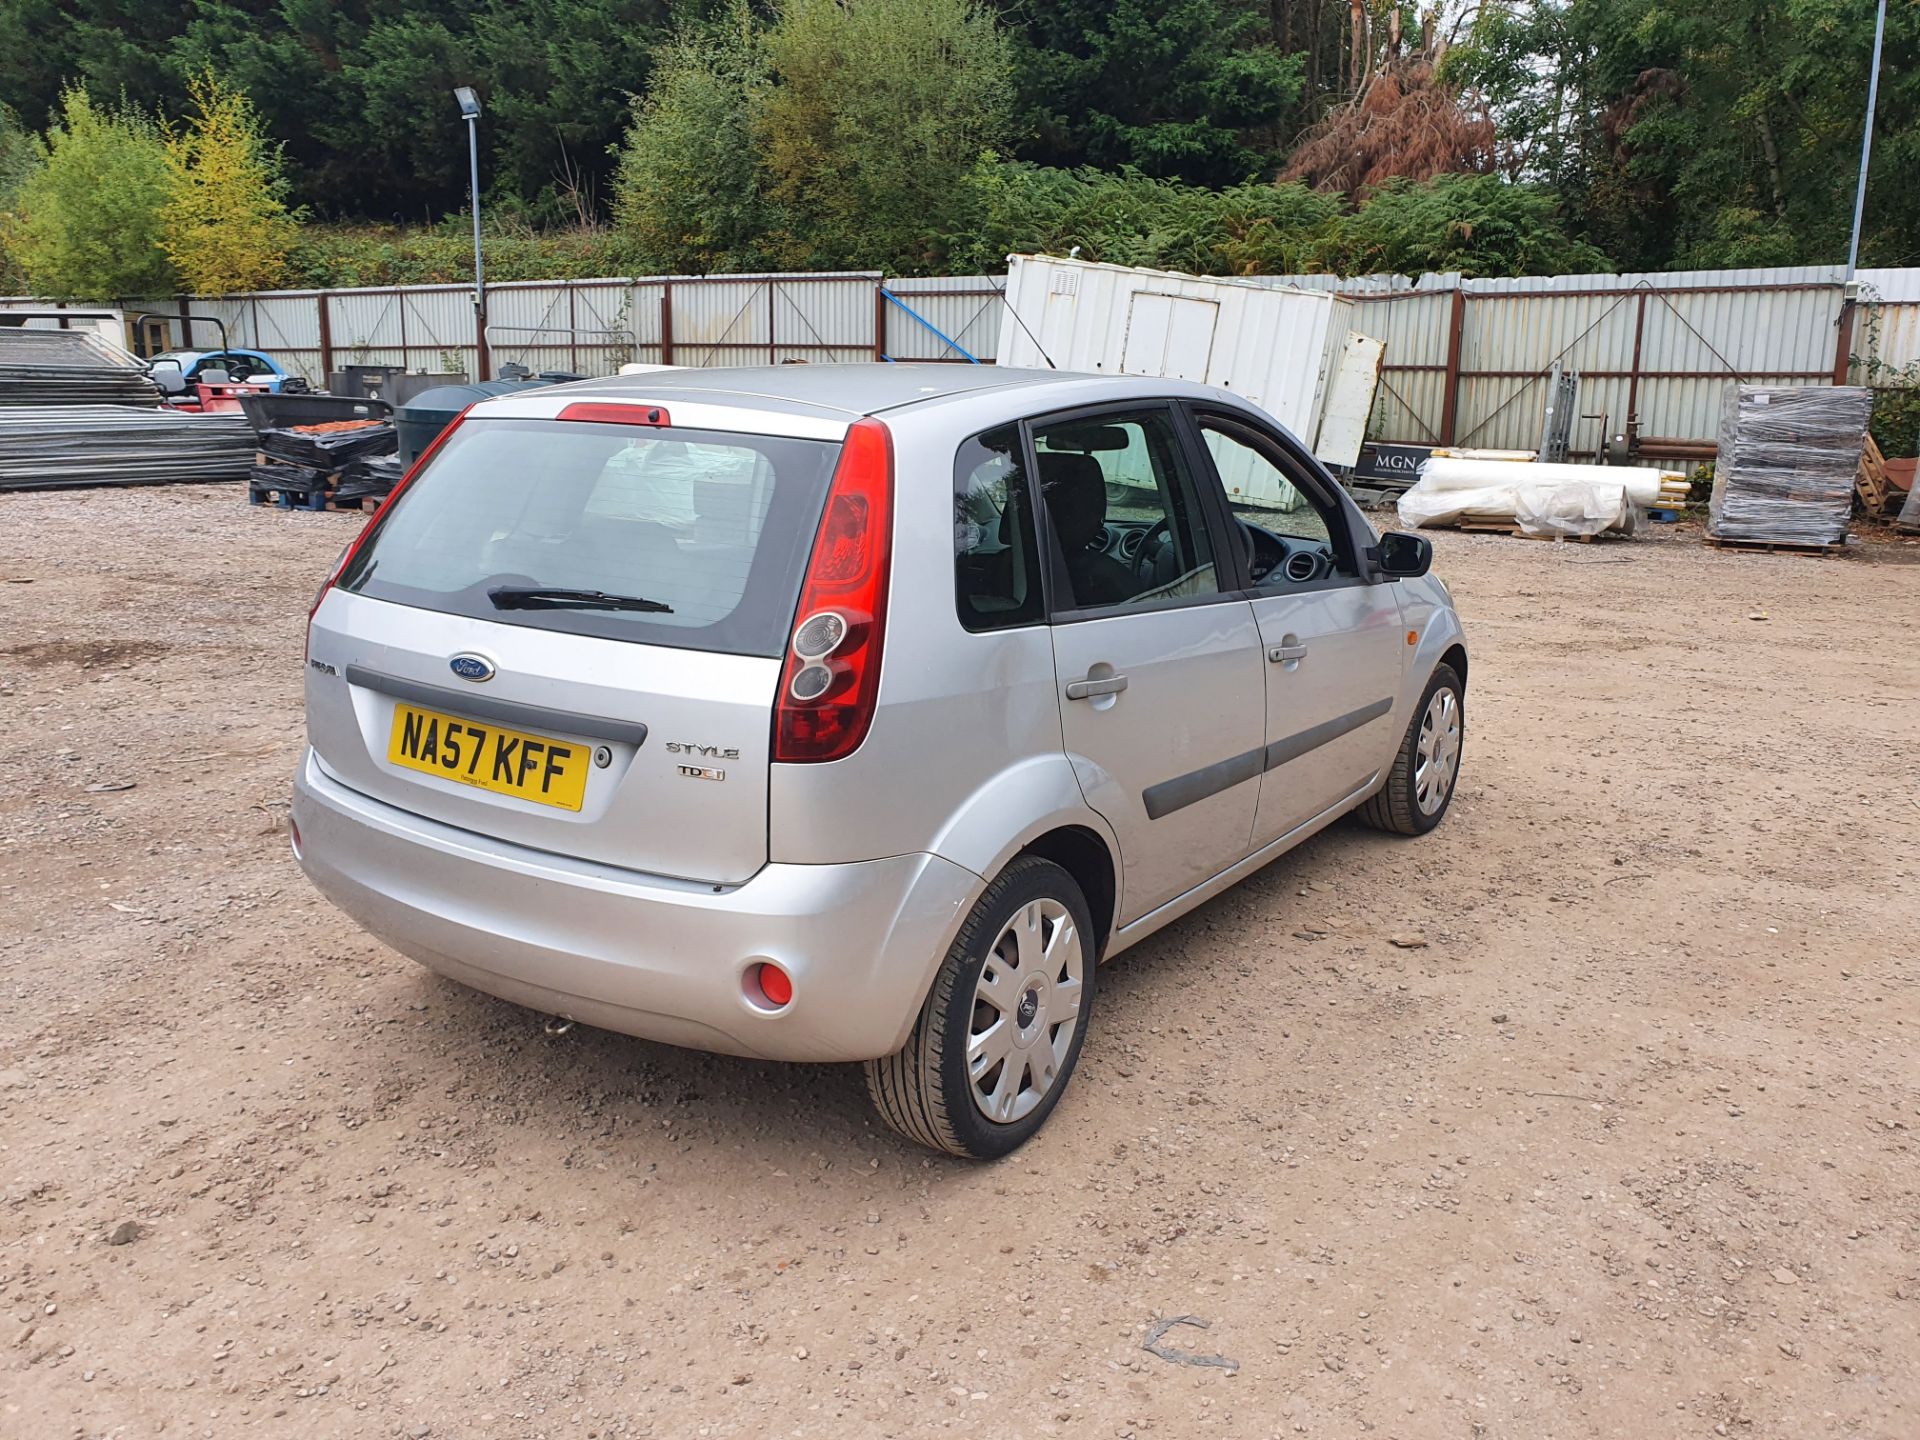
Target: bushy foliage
840	136
342	256
225	224
878	112
1133	219
1476	224
1895	424
88	224
1127	219
690	192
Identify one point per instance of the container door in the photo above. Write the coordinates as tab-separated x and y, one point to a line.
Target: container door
1169	336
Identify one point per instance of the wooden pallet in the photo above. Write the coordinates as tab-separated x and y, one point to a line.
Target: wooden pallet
1783	547
1492	528
287	499
1870	482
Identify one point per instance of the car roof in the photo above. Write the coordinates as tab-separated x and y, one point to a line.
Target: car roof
848	390
821	401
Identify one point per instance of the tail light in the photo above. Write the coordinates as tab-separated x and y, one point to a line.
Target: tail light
831	678
373	522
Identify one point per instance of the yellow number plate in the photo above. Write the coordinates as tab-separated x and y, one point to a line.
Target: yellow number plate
490	757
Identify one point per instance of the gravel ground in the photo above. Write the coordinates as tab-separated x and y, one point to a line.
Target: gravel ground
1626	1148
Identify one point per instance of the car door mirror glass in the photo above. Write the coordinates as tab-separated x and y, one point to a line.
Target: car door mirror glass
1402	556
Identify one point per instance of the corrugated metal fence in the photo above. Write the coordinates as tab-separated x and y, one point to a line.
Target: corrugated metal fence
1466	360
592	327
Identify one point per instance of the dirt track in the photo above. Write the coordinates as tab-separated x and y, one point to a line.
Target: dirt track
1627	1149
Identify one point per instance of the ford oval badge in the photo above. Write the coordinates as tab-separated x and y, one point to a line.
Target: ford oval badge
472	667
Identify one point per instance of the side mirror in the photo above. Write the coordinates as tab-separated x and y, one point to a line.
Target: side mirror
1400	556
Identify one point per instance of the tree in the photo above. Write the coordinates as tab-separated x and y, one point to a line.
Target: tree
1193	90
689	193
1407	124
225	223
879	111
89	226
1702	135
20	156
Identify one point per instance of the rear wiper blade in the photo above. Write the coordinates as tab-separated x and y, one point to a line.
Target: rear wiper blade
540	597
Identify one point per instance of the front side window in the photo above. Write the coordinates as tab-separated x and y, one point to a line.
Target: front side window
1280	518
996	555
1122	505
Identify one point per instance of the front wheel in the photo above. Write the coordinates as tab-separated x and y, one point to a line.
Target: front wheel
1002	1027
1420	785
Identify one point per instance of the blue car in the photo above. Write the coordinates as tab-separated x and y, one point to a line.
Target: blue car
250	367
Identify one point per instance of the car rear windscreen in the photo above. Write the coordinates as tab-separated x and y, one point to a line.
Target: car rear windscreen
690	538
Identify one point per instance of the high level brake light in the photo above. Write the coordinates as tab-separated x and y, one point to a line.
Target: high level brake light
831	679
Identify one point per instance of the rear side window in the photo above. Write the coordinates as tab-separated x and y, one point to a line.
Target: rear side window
996	554
701	536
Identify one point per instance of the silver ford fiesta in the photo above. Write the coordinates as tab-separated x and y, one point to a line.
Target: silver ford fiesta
857	712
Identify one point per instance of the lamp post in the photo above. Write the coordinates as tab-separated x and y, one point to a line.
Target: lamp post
470	110
1866	139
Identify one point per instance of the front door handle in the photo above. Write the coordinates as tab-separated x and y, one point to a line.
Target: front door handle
1277	653
1088	689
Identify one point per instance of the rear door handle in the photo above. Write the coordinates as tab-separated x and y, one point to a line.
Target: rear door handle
1277	653
1087	689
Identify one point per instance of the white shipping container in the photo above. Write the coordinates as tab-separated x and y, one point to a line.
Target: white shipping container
1273	346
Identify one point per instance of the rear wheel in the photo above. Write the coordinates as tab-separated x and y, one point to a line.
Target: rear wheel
1002	1027
1420	786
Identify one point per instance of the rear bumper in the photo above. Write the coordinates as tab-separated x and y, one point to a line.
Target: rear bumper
659	958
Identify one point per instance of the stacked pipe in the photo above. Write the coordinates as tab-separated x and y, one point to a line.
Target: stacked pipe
1787	462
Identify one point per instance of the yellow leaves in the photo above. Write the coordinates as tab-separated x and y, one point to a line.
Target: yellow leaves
224	225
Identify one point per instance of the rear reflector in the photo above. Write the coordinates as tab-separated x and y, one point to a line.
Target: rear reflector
775	985
602	413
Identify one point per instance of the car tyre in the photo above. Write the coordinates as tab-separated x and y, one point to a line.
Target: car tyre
1426	768
997	1039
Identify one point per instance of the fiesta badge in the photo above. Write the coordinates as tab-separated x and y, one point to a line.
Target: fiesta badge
476	668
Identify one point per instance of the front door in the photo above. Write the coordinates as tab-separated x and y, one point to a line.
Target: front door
1332	643
1162	695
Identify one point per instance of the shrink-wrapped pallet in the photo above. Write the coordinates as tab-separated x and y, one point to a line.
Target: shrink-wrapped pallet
1788	456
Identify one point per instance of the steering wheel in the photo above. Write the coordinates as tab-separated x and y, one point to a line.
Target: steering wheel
1148	555
1155	537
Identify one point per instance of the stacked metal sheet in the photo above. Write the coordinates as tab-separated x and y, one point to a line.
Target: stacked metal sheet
69	367
1788	456
62	445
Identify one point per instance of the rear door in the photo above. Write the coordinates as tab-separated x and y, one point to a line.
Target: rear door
567	636
1331	641
1162	706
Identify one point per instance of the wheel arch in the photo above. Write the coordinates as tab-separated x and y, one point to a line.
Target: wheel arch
1083	854
1456	657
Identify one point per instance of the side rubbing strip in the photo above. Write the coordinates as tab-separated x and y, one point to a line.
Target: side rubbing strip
1312	738
1197	785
